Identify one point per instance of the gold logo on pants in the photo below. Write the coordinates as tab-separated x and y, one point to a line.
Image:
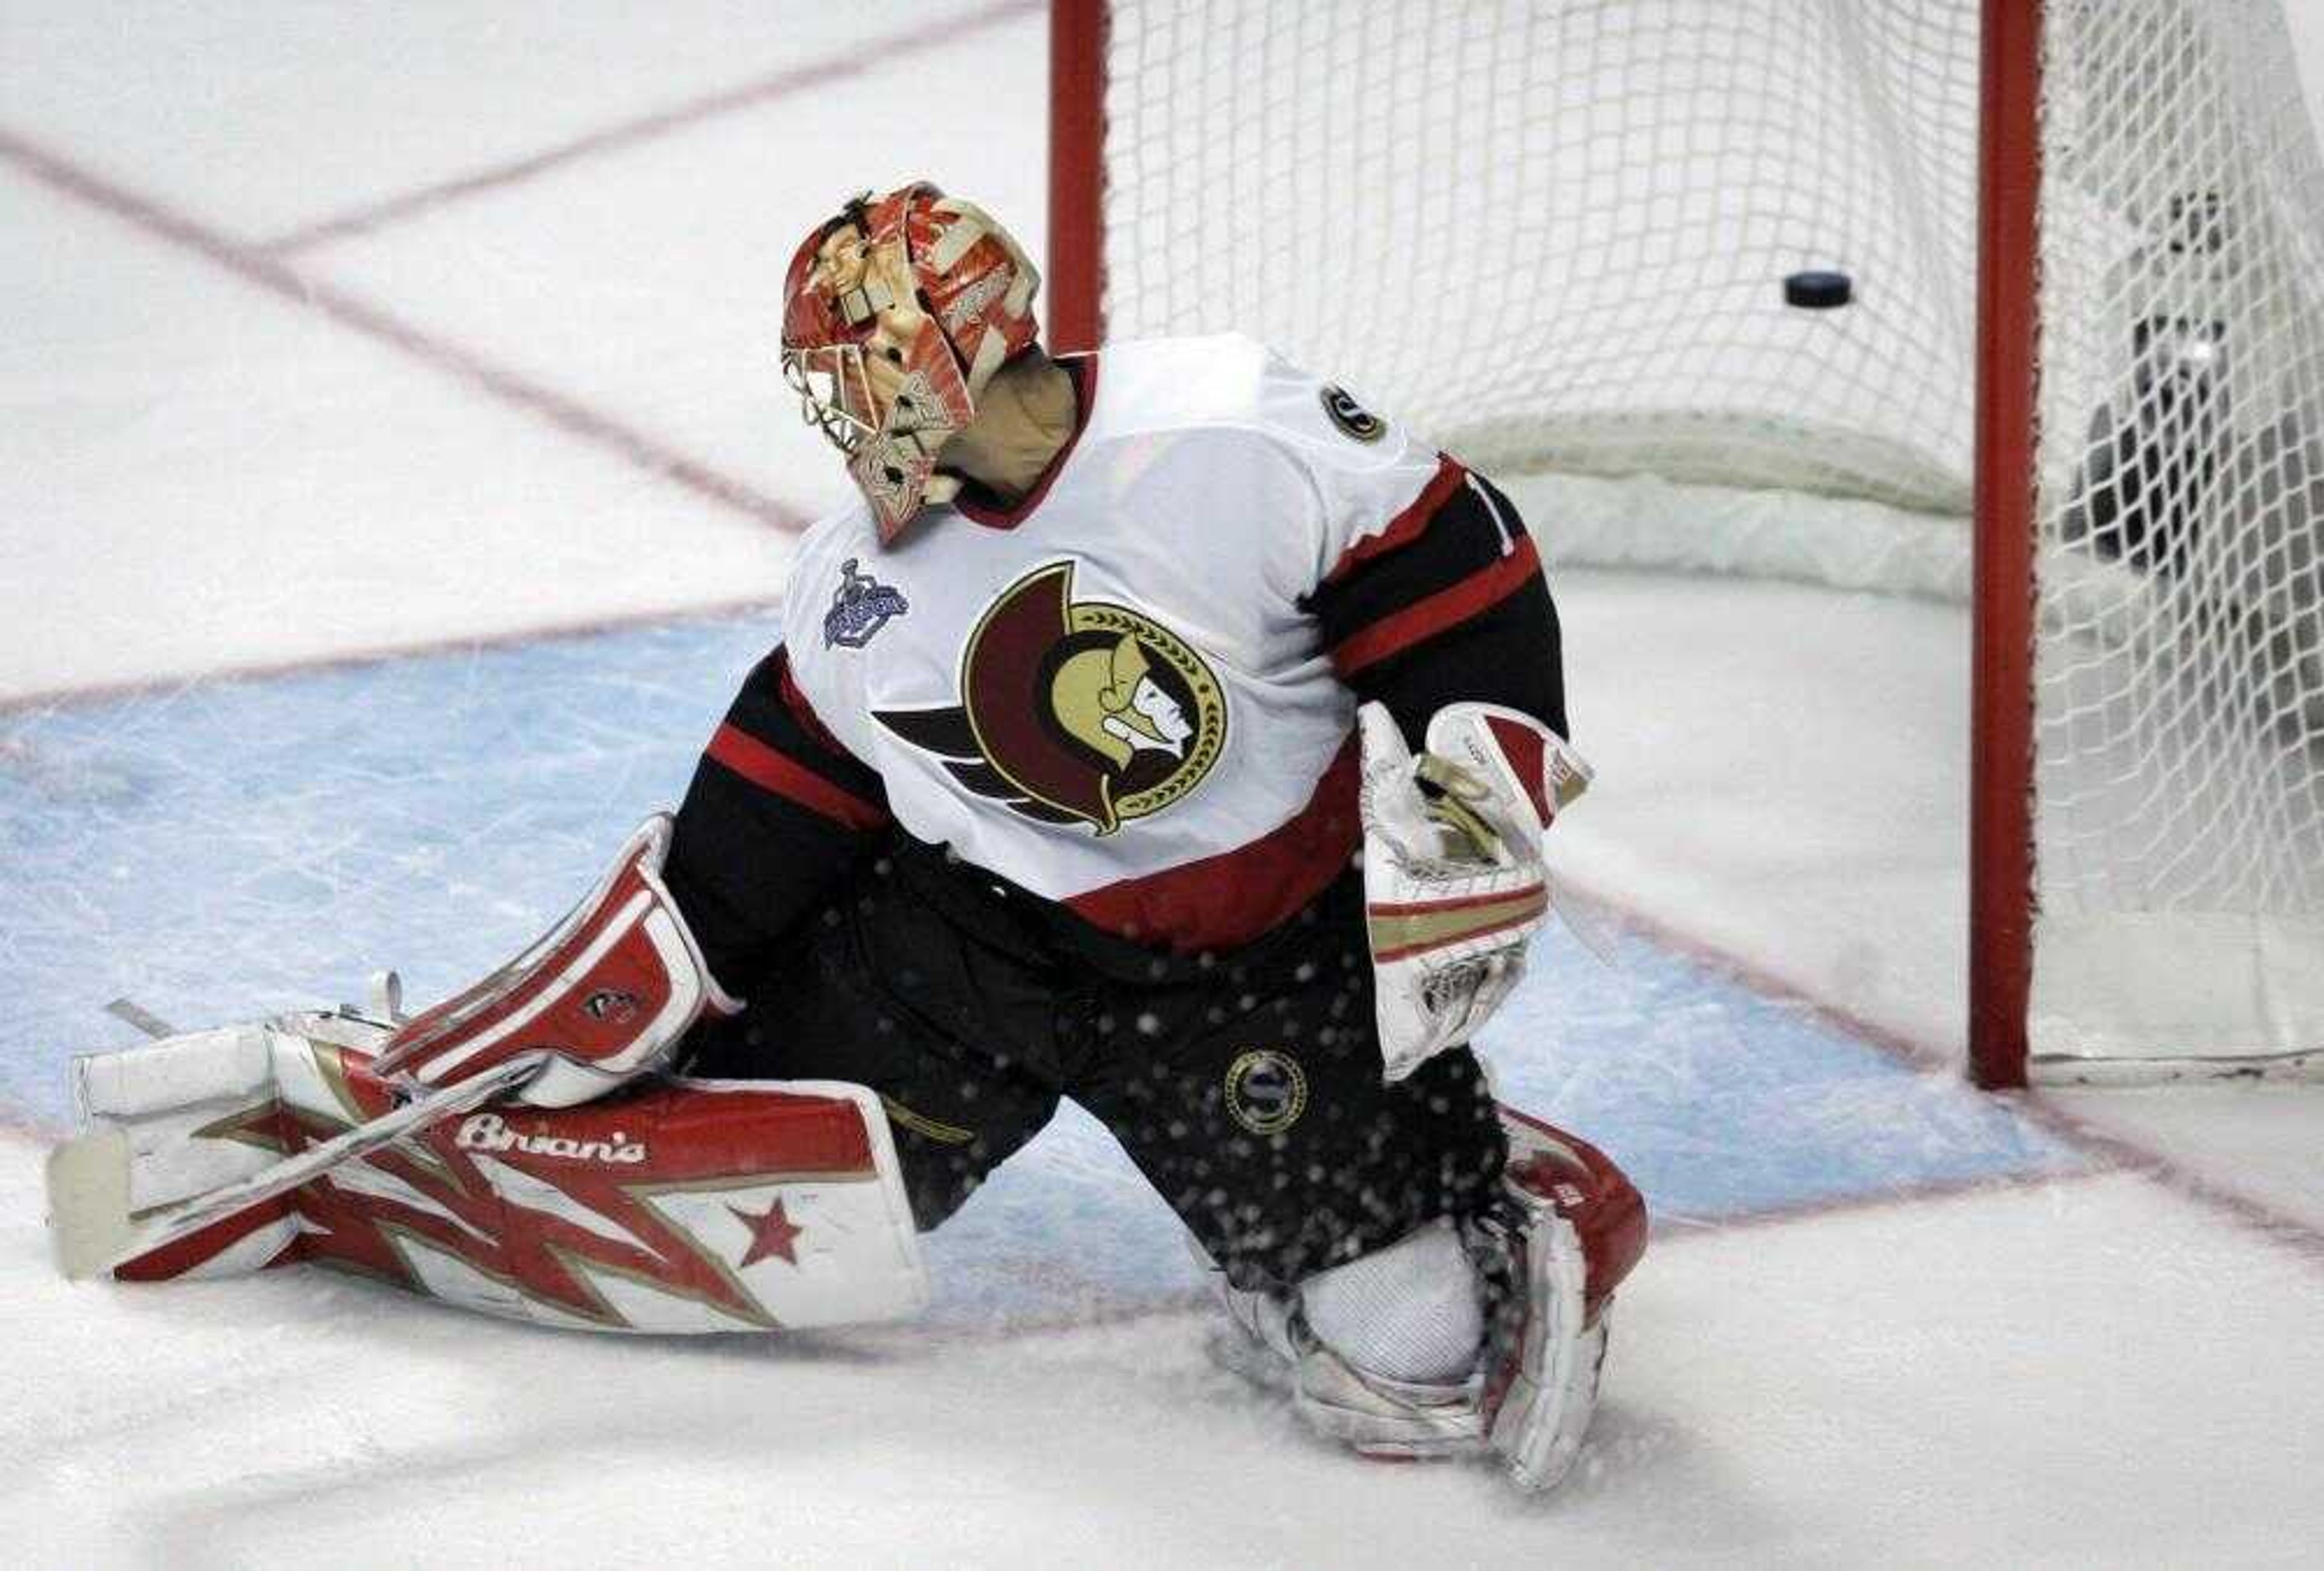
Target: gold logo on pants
1267	1091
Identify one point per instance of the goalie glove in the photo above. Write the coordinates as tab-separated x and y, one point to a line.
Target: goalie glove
1453	882
607	994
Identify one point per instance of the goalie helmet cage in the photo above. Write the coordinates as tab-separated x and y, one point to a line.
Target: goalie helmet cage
2079	303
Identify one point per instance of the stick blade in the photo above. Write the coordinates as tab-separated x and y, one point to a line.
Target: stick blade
89	1202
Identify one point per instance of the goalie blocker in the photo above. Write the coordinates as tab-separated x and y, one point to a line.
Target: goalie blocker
606	995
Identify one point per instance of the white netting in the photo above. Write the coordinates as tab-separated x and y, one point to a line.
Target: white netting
1553	236
2180	685
1572	221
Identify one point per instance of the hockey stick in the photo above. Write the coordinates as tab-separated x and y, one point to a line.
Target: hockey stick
89	1219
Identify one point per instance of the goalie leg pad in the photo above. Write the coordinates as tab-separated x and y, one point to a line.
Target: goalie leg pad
1412	1312
1569	1228
1573	1227
693	1206
165	1122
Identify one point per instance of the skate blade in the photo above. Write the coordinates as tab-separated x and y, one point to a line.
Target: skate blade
1233	1350
89	1202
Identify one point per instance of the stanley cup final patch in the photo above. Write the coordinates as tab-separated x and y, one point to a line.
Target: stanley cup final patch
860	606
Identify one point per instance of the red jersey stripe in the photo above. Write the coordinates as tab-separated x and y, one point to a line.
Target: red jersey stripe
804	712
1406	526
1235	896
762	766
1426	617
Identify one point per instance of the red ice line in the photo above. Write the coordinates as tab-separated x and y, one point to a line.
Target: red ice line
376	323
263	265
351	660
869	55
508	386
2296	1236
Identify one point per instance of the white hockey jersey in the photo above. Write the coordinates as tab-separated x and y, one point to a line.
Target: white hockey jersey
1117	694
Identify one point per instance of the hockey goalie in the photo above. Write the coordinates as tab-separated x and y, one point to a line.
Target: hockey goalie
1158	728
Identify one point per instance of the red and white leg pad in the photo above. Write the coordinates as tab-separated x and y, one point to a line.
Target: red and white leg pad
689	1206
1569	1228
608	992
1576	1227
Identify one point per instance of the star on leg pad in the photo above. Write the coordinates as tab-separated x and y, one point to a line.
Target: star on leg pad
773	1234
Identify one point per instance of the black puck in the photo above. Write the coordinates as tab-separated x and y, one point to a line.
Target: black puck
1818	290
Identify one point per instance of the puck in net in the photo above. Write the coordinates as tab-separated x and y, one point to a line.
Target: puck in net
1816	289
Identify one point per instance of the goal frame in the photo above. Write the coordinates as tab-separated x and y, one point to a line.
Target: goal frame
2001	886
2001	898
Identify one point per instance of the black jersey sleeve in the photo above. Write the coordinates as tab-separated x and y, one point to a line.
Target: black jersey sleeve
1448	603
777	811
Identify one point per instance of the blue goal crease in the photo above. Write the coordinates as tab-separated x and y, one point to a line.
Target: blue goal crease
226	851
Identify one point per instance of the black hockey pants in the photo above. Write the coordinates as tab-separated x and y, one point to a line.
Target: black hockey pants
1246	1086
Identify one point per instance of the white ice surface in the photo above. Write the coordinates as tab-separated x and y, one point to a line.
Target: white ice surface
1799	801
269	118
1782	1395
197	474
647	280
2262	1143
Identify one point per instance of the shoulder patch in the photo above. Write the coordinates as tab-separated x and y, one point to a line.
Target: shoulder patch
860	606
1355	422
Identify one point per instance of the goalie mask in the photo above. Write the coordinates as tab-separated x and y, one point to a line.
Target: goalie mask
895	314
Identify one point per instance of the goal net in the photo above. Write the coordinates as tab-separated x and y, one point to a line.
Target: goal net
1556	236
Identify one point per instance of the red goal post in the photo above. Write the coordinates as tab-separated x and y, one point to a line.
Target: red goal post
1077	77
2077	384
2001	890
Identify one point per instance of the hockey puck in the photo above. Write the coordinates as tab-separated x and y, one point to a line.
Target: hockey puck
1818	290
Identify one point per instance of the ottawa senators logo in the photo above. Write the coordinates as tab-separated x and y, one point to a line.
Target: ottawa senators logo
1074	712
